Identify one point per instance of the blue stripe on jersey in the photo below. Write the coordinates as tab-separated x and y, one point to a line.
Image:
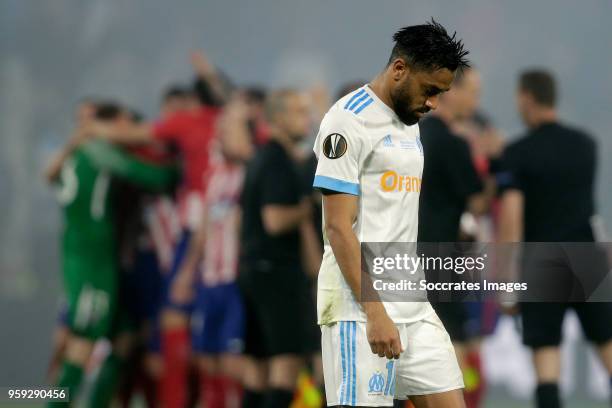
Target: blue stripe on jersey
363	106
354	324
334	184
353	98
347	327
390	370
343	386
358	101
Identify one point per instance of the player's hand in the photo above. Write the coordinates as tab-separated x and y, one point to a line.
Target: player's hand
306	208
182	291
383	335
201	64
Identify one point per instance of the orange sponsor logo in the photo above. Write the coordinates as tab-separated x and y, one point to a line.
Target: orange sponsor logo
391	181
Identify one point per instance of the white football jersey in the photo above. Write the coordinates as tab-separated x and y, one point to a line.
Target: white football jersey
364	149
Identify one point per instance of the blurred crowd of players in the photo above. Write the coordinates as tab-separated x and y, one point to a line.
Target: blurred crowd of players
172	225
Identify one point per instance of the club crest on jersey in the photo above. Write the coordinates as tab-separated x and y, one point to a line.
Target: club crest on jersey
376	383
334	146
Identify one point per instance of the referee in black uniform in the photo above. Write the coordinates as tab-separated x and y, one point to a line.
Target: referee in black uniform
547	184
275	211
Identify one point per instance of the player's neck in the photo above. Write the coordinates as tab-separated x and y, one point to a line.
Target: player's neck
542	116
381	90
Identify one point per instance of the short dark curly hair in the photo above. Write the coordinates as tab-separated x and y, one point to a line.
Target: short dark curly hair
540	83
429	47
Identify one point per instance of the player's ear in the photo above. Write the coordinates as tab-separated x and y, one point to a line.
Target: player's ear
399	69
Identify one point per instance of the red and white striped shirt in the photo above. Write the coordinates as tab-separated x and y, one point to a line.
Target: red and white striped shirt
222	206
164	227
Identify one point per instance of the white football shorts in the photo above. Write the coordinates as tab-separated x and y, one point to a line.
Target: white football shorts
355	376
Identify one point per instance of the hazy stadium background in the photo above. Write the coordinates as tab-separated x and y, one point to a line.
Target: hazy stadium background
53	52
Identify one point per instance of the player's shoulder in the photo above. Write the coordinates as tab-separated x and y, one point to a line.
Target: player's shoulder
348	113
357	102
517	146
579	134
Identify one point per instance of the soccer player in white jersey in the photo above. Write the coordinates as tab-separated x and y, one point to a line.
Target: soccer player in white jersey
369	170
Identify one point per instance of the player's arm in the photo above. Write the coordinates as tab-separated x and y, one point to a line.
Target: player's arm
465	180
209	77
311	248
280	218
280	213
127	134
511	216
121	164
54	168
342	146
182	286
510	233
479	203
196	245
510	184
493	148
340	213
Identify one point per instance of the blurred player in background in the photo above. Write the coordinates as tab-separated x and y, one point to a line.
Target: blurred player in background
311	384
556	164
211	267
138	289
256	106
450	187
365	138
191	131
84	171
150	230
486	145
271	277
450	182
84	113
174	100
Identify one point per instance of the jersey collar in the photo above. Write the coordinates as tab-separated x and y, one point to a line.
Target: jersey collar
381	104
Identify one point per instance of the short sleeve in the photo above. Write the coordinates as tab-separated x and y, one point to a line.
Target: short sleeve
510	171
341	148
171	128
465	180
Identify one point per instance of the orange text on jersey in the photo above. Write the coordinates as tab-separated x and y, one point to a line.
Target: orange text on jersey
391	181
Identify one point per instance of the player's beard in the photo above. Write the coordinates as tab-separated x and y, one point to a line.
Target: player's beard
402	101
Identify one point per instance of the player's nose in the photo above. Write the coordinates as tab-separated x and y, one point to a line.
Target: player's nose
432	102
